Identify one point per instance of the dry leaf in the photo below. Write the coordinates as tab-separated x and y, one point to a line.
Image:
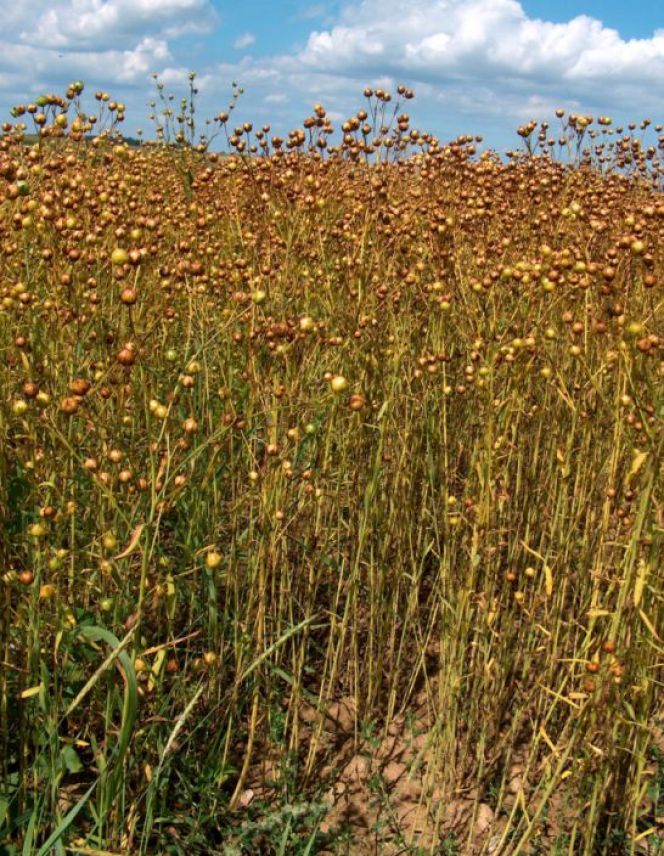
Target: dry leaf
639	585
33	691
548	581
134	538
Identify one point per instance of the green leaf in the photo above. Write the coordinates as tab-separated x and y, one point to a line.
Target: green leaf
115	761
66	822
30	833
71	760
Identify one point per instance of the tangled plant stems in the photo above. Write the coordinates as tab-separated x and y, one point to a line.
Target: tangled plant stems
376	421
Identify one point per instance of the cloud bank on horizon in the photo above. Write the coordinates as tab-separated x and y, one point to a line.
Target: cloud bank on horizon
474	64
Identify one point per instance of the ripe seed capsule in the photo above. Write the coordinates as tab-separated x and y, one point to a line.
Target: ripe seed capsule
357	402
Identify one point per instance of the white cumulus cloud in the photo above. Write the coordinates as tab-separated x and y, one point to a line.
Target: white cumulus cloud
244	41
104	23
483	41
475	65
112	44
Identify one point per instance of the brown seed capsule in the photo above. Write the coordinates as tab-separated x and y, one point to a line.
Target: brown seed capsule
30	390
609	646
70	405
79	386
128	296
357	402
126	357
589	685
26	577
592	667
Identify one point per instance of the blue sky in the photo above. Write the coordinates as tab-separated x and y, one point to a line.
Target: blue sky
633	20
477	66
